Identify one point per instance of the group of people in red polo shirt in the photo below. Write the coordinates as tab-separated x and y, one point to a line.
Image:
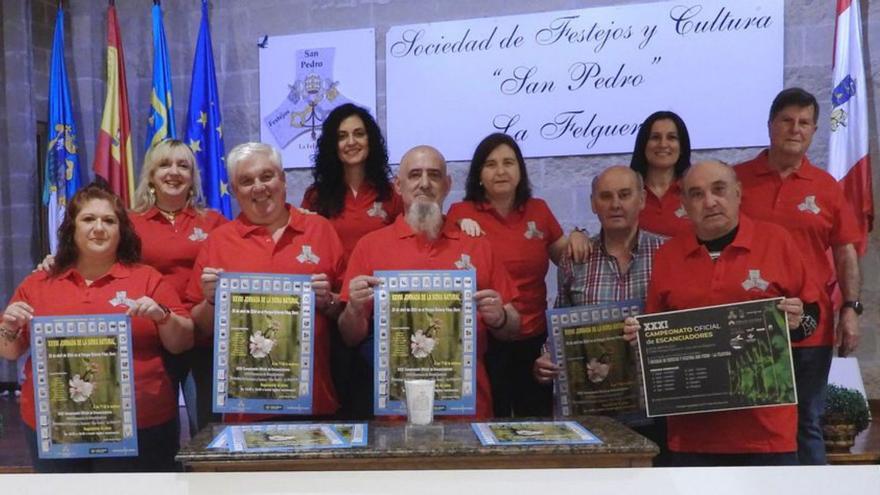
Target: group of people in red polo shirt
776	215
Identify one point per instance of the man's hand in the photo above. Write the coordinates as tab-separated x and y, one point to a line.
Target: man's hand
543	369
579	247
321	288
209	279
631	328
490	307
794	308
470	227
846	335
360	293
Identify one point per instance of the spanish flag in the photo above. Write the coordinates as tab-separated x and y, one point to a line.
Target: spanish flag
113	160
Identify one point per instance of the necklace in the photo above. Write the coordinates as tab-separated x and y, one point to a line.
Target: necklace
170	215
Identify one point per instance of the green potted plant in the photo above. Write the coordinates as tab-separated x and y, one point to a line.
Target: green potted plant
846	415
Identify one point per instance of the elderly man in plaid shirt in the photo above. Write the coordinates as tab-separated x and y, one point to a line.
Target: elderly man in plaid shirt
618	268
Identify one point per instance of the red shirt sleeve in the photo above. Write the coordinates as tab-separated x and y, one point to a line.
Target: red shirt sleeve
845	229
554	230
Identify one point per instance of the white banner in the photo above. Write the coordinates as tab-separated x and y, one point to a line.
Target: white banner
581	82
303	77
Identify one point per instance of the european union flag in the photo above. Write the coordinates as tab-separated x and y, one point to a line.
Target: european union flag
160	125
204	126
62	161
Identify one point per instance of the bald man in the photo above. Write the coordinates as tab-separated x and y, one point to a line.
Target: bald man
729	258
422	240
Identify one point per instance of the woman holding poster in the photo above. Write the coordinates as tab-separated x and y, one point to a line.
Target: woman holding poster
662	154
352	189
97	271
526	235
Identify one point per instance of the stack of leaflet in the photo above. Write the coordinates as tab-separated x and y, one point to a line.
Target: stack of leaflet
534	433
289	437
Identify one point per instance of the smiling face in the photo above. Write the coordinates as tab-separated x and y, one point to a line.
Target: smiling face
711	196
422	177
792	129
260	190
500	173
354	145
663	148
617	199
172	178
97	230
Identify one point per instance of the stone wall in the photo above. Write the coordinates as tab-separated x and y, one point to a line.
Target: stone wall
236	25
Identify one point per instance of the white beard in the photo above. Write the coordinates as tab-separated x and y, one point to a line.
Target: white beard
425	218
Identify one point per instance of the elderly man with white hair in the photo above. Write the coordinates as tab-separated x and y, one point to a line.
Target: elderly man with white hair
271	236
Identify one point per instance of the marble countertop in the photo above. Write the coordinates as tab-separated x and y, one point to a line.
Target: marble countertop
442	439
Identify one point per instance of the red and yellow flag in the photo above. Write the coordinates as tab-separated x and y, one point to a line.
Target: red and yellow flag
113	160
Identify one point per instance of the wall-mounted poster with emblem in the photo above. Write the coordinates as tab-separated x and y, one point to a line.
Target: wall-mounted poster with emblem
303	78
263	343
425	328
732	356
84	386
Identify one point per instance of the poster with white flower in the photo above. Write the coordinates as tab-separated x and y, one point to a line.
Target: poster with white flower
598	368
84	386
425	328
263	344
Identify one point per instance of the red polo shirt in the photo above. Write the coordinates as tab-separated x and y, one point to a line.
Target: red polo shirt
686	277
810	204
665	215
521	241
412	252
360	214
172	248
241	246
68	294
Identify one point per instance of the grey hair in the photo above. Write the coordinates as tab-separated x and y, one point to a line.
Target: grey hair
246	151
640	183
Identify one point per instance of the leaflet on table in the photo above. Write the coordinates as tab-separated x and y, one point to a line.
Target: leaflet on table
598	368
84	386
276	437
425	327
534	433
263	343
732	356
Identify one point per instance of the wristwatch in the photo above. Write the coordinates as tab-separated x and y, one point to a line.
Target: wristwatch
855	305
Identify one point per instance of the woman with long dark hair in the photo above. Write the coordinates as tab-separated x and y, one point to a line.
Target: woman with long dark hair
661	155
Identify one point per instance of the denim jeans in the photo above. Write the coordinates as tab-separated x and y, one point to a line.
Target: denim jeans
811	366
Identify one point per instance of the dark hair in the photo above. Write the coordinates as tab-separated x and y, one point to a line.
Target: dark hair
474	190
127	252
798	97
329	174
639	162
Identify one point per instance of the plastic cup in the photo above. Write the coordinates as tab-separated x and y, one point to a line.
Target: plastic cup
419	401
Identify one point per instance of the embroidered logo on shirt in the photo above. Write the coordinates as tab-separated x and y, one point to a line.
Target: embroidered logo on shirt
532	231
198	235
307	256
680	212
464	263
122	299
755	281
377	211
809	205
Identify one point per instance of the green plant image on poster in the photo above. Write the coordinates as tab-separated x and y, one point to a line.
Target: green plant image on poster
519	432
600	369
84	389
286	438
759	364
426	341
264	346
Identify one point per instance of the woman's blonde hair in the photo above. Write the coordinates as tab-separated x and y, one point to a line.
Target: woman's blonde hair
157	154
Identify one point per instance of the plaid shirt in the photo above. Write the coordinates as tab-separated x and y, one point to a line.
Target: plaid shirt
599	279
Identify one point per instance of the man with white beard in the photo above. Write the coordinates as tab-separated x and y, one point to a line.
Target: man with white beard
422	240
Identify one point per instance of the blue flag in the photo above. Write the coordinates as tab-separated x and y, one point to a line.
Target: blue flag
204	126
160	124
62	161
